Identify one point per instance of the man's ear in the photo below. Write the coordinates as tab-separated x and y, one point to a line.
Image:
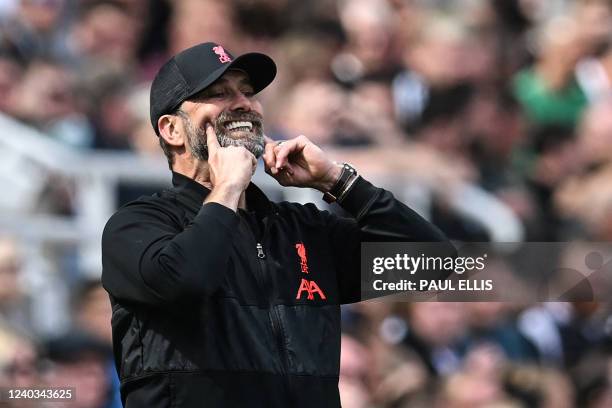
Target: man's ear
171	129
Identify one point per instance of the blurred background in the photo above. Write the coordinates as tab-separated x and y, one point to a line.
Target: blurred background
492	118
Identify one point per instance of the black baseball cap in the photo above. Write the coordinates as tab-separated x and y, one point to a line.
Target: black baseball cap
195	68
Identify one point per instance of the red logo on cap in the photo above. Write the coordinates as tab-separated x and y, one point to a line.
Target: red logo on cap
223	57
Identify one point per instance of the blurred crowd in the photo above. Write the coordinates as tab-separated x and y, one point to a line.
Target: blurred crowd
500	109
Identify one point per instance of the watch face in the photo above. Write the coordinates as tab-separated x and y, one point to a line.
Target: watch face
328	198
343	184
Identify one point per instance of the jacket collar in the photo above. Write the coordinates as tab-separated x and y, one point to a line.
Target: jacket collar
256	199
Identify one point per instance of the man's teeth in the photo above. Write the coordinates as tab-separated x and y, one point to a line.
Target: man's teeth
237	124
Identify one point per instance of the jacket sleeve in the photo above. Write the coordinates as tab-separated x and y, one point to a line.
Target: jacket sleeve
377	217
148	257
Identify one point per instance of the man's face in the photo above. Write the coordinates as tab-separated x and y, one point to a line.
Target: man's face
229	105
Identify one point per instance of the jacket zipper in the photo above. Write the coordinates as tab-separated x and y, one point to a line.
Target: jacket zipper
275	319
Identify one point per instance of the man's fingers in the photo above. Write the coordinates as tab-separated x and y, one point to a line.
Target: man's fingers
282	152
286	148
269	156
211	139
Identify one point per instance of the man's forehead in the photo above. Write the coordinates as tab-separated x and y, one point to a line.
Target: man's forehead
233	74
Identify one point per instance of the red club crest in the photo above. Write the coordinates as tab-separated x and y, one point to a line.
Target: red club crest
223	56
301	251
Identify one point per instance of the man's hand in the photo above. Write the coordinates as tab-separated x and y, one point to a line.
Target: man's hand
231	169
300	163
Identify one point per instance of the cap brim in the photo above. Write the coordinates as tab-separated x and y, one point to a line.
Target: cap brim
260	68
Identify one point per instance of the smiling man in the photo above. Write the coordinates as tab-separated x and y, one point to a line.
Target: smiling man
222	298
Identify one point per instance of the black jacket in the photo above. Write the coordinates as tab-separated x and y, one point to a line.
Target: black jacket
217	309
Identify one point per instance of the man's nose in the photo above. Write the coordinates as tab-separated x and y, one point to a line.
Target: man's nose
241	102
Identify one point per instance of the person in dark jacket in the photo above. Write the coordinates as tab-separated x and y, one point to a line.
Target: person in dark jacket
220	297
